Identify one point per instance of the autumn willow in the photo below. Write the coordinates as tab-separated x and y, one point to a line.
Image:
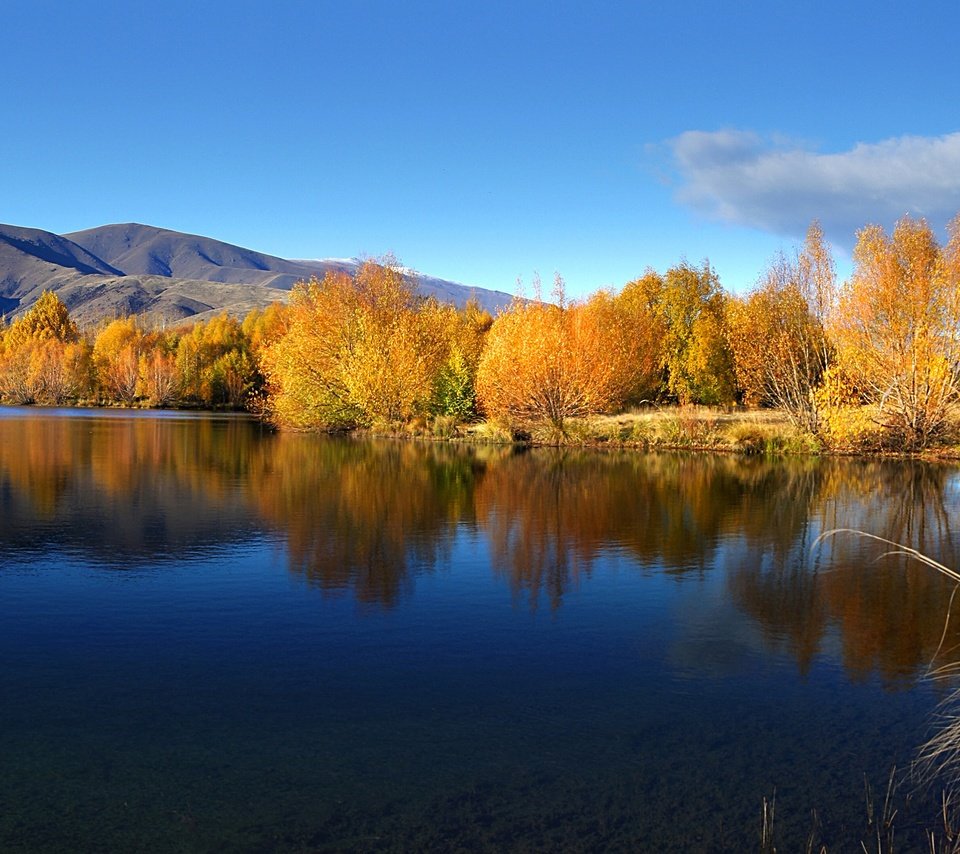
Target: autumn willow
872	363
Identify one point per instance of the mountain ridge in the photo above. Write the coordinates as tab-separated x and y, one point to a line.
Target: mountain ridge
132	268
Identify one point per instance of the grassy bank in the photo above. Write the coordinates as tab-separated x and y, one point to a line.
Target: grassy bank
698	428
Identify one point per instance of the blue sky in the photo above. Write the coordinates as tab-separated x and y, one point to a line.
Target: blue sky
484	141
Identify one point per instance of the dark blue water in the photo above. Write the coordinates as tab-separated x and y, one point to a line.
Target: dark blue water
215	638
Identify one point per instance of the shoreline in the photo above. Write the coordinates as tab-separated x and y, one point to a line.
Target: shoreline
701	430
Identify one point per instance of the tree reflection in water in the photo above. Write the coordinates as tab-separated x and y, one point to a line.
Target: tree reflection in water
363	517
358	515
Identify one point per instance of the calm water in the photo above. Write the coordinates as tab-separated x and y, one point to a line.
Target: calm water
213	638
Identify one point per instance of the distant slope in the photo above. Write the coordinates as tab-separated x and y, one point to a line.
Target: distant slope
32	260
145	250
25	249
93	298
139	269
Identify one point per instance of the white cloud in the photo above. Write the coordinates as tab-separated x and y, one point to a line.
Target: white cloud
740	177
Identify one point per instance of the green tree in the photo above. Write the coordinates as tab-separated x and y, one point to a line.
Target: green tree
696	357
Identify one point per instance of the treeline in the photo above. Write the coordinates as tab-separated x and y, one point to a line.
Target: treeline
45	358
873	363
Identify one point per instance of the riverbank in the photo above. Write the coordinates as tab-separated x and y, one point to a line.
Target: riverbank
731	430
852	432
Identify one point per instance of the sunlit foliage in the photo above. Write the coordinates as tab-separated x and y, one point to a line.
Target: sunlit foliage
777	333
42	358
640	301
48	319
265	326
159	379
877	367
546	362
695	357
454	386
898	327
215	364
116	355
356	351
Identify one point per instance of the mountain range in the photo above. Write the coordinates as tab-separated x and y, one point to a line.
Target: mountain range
167	276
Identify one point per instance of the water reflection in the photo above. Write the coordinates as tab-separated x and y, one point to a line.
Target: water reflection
365	517
360	515
890	611
123	490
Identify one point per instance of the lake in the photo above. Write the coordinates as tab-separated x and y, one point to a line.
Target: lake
217	638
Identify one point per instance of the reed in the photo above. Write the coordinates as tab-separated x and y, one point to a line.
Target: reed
938	759
896	549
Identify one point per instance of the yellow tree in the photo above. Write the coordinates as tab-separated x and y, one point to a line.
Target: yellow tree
116	356
39	354
214	362
16	381
777	334
398	345
264	326
47	319
640	300
464	333
898	327
60	371
354	351
159	379
545	362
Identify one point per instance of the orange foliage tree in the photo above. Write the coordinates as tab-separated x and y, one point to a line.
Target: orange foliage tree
159	379
264	326
778	337
116	356
898	327
355	351
545	362
42	357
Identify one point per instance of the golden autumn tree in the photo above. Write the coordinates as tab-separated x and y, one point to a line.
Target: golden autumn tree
549	363
897	327
116	357
61	371
356	350
778	333
159	378
48	319
214	362
43	358
264	326
464	333
695	357
640	299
